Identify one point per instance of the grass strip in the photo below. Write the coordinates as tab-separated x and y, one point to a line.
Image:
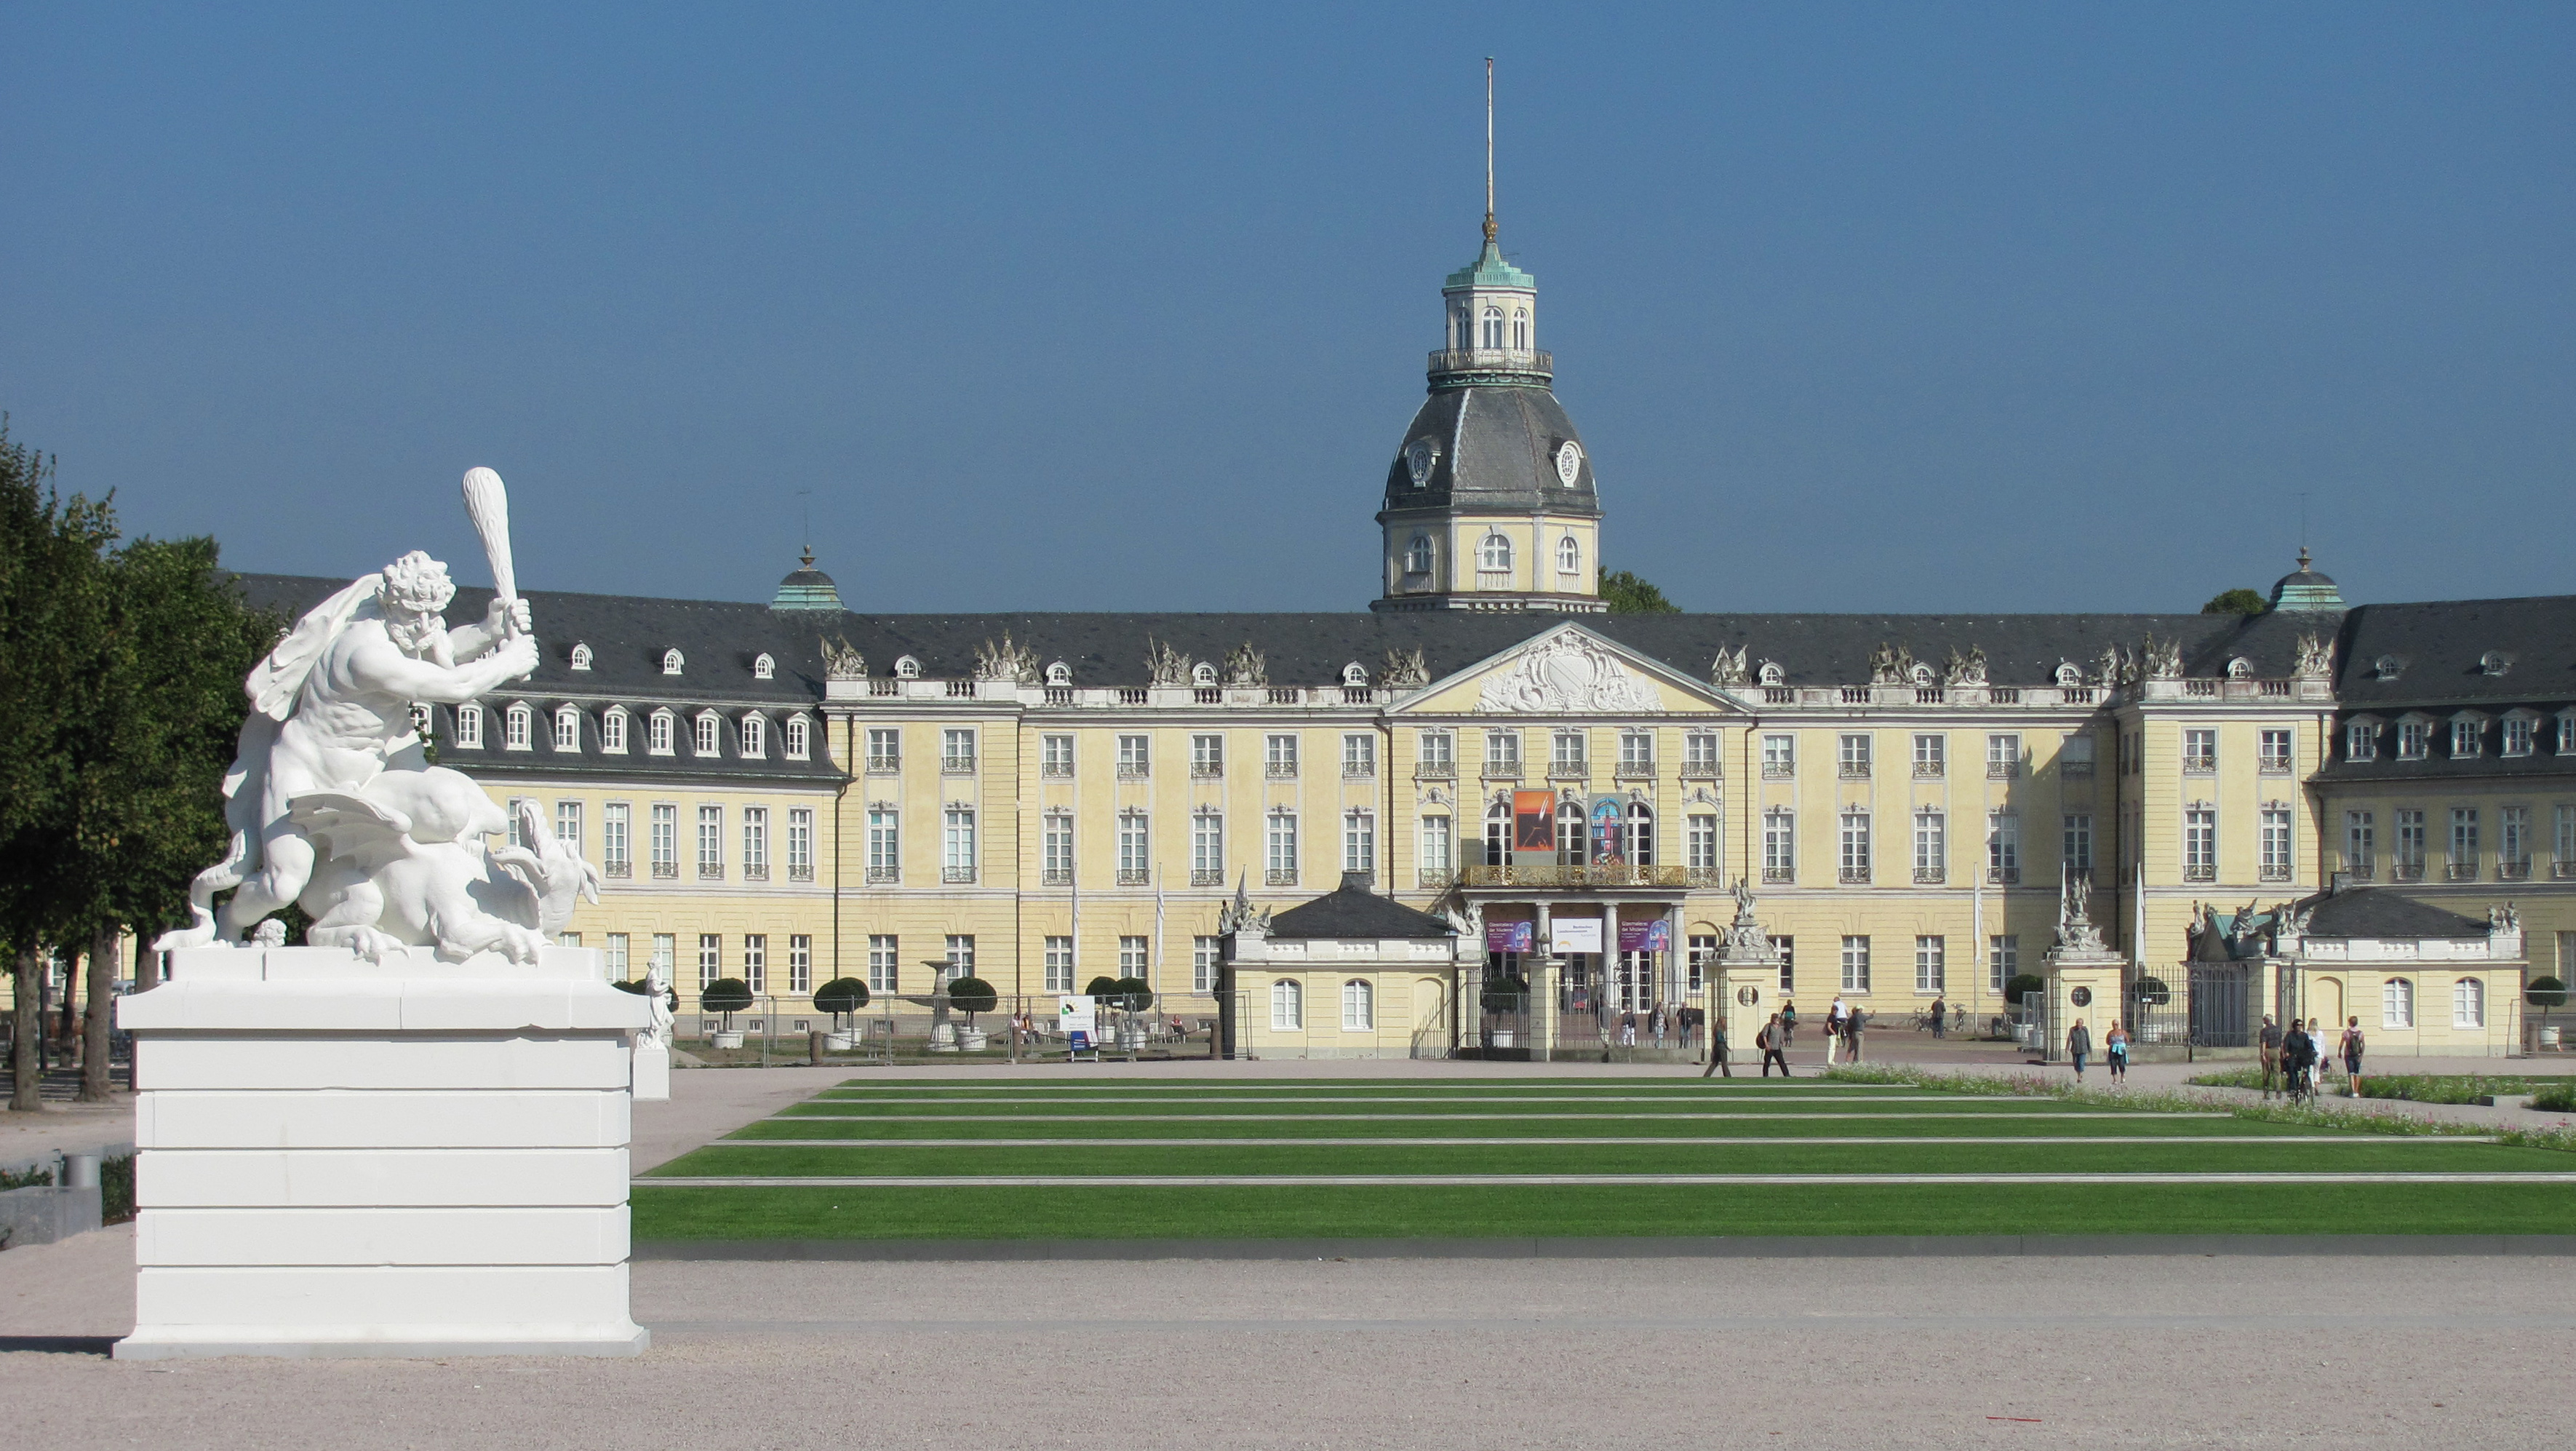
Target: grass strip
675	1212
2207	1123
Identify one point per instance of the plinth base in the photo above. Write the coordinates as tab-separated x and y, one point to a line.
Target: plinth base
384	1342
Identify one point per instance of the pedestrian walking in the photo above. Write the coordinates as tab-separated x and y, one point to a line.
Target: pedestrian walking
1835	1017
1938	1009
1773	1040
1628	1028
2267	1048
2079	1046
2351	1047
2115	1052
1717	1063
1788	1016
1853	1022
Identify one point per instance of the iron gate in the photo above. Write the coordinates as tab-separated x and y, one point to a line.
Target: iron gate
2222	1005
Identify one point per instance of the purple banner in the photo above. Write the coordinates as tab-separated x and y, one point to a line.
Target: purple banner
1655	935
1507	936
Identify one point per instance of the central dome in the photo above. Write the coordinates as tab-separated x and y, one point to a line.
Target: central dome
1503	449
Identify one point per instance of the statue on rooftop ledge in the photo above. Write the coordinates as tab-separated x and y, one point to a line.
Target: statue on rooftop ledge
332	801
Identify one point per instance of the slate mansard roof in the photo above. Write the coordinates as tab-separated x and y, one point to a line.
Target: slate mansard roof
1354	913
1497	450
2382	913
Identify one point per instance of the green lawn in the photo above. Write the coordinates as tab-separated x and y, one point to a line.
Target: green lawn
1866	1129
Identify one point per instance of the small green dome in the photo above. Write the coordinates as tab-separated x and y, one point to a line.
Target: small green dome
806	588
1490	270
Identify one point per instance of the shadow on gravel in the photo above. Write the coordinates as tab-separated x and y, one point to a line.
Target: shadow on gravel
98	1345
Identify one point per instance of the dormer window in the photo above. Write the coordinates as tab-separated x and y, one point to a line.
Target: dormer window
2387	667
1569	555
2240	668
2070	675
762	667
658	738
907	668
2361	739
518	724
2567	732
800	737
1059	673
567	728
2521	732
1203	674
755	736
2414	738
709	739
2494	662
580	656
612	730
1355	674
1772	674
672	661
2468	736
469	726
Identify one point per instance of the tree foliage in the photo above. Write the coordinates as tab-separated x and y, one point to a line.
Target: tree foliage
843	995
1629	595
2239	601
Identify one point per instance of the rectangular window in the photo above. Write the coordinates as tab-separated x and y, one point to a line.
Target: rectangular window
1279	758
885	971
1779	845
885	748
2467	739
2397	1003
1133	957
1931	757
1568	754
1359	756
1779	757
2200	845
1855	964
1438	753
1135	849
666	956
657	735
1207	849
799	738
1135	757
2274	861
2518	735
2077	843
514	728
710	959
510	816
706	741
1207	756
885	844
1931	964
1502	753
800	963
1055	842
1287	1005
1283	849
1855	846
1931	847
755	961
2003	847
1059	965
1359	841
1699	754
2200	750
2410	846
666	840
2567	732
1699	843
2075	757
614	956
1853	758
754	742
800	844
2464	844
2360	741
2563	859
568	826
2468	1003
1359	1013
612	732
1788	950
755	843
961	956
957	752
957	859
2276	752
710	841
1055	755
1439	845
613	848
1205	955
2003	757
2003	961
2414	739
2360	844
1636	752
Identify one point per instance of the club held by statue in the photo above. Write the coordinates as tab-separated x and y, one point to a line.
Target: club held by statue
487	503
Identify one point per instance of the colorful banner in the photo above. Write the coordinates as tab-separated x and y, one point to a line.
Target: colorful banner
1534	822
1508	936
1609	834
1574	934
1653	935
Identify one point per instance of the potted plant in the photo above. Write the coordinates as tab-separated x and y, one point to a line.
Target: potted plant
972	995
840	996
2546	993
1505	996
1134	995
725	997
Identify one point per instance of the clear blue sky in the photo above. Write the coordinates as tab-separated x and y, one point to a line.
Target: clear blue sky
1885	307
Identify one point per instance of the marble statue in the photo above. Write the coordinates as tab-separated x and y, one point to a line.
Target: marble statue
2075	929
656	1032
331	799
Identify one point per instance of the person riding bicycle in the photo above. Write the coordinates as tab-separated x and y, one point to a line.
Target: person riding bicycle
2299	1060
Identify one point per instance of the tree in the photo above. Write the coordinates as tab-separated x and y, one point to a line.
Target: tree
1629	595
726	996
972	995
2236	602
847	995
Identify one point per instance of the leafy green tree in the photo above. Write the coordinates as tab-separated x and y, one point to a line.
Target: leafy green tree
1629	595
972	995
2236	602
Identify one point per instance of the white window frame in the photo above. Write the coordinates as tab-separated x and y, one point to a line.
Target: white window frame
885	963
1207	846
753	736
567	728
661	733
1494	554
800	737
1856	963
1207	956
518	727
1359	1006
1287	1006
708	739
2468	1003
1058	964
616	841
1280	856
1359	840
469	726
612	730
2397	1003
1931	964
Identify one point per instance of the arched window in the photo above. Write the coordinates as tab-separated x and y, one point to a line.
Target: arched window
755	736
567	728
1494	328
763	668
799	738
1417	555
672	661
612	730
1772	674
1569	555
1359	1006
1462	330
1059	673
710	734
1287	1005
580	656
1520	329
1498	831
2468	1003
2397	1003
469	726
1573	839
658	740
1641	834
907	668
1494	554
1203	674
518	723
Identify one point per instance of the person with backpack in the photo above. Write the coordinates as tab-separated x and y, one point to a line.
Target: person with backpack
1773	1040
2079	1046
1788	1016
2351	1046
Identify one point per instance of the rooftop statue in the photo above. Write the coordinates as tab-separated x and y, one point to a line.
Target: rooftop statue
332	801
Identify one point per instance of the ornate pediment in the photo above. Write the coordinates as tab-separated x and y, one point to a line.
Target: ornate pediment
1570	673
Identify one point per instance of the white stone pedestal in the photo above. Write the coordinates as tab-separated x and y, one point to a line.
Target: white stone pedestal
342	1159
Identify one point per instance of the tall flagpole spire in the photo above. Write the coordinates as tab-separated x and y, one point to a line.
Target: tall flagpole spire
1489	149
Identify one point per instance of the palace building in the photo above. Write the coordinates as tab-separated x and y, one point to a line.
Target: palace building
796	791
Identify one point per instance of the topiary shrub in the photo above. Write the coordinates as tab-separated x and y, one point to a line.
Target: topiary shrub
2023	984
972	995
1505	995
2150	992
1133	994
2545	992
1101	987
725	996
841	995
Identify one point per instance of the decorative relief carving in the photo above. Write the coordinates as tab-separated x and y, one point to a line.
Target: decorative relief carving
1568	673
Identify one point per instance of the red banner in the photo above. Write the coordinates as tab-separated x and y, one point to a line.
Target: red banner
1533	821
